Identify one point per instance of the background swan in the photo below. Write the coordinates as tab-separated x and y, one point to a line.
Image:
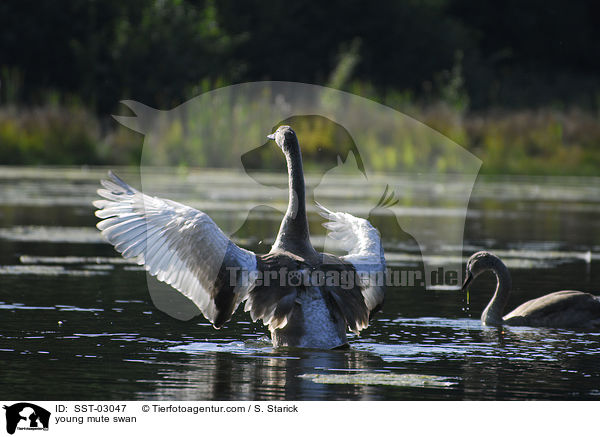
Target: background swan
285	288
561	309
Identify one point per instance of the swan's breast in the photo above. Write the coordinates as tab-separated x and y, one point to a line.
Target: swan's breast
311	325
320	330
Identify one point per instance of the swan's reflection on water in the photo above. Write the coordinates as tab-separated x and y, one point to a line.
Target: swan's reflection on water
248	370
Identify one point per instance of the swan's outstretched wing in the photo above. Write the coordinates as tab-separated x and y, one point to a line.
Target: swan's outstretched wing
179	245
365	251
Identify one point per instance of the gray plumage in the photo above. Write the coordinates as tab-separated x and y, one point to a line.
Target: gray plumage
184	248
561	309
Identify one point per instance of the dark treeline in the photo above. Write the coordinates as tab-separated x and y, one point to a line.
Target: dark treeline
509	54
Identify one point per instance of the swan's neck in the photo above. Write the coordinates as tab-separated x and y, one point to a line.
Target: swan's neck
492	315
293	234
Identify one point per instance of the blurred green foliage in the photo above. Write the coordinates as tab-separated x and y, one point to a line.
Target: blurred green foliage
543	141
514	82
49	135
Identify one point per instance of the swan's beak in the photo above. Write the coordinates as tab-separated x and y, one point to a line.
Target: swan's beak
468	281
271	137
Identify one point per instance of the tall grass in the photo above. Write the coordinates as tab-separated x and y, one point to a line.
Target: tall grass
528	141
60	135
542	141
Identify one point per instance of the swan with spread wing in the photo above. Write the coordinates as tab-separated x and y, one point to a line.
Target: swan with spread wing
306	298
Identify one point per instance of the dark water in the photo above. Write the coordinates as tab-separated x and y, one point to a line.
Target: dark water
77	322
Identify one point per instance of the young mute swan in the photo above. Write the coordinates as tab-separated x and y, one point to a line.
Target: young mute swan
561	309
306	298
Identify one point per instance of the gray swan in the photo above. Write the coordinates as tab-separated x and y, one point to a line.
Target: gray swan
561	309
307	299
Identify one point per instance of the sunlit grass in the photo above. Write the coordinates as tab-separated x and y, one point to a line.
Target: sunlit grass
538	142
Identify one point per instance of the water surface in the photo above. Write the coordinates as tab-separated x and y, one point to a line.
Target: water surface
77	321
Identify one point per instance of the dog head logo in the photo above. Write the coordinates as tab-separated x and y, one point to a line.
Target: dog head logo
226	128
26	416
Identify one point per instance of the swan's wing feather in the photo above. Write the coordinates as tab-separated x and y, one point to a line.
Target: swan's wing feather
273	298
180	245
365	251
351	304
271	305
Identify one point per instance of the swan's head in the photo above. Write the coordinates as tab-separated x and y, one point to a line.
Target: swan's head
285	137
481	262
